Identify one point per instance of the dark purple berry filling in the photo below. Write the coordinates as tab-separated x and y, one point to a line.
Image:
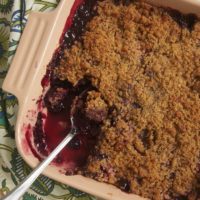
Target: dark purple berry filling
124	185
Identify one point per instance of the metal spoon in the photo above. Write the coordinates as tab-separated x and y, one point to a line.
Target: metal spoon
17	192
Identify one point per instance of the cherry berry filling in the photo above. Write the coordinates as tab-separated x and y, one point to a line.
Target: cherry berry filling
51	129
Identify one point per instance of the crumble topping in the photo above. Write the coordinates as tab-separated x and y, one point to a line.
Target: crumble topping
96	108
145	68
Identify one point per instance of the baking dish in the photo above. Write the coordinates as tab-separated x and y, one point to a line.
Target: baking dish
39	41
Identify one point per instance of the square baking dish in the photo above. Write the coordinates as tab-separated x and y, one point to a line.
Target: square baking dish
39	41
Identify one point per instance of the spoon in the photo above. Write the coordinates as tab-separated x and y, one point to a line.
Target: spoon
17	192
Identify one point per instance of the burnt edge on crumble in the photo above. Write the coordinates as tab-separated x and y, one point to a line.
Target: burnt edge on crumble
99	165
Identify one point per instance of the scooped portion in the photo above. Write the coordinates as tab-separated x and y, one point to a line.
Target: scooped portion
136	68
51	128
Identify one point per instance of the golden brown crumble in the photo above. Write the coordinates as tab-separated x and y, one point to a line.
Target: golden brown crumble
95	107
146	69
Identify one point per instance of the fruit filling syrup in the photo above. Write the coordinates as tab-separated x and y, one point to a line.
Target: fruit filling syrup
52	126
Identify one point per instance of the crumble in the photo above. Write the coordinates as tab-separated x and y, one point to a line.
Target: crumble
144	63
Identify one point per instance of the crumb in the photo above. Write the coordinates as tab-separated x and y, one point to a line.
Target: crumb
96	108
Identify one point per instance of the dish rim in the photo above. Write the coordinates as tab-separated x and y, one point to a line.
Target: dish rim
46	40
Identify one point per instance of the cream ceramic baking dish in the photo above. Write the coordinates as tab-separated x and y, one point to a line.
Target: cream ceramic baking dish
37	45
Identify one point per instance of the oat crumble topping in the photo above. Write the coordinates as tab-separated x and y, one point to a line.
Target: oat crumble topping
146	70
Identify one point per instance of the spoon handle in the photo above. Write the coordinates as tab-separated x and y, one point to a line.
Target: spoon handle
17	192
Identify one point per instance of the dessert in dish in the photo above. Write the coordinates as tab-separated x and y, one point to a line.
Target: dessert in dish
135	69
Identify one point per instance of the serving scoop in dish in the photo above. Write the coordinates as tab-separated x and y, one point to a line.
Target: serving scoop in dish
17	192
38	43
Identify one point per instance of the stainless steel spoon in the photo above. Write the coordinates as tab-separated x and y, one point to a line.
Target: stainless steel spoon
17	192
